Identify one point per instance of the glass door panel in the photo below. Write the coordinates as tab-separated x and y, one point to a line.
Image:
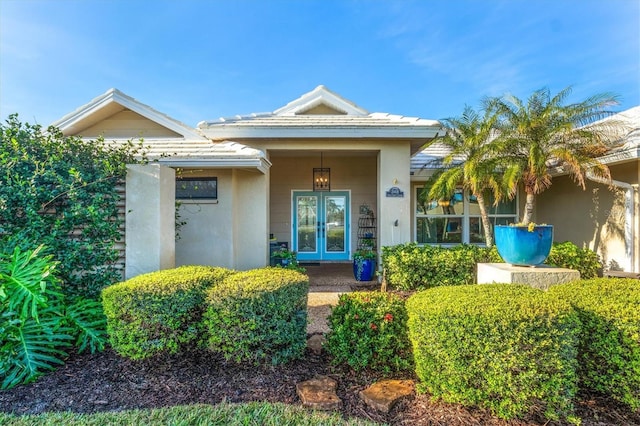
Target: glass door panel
321	225
307	218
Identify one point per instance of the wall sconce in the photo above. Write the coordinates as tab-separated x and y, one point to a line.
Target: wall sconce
321	177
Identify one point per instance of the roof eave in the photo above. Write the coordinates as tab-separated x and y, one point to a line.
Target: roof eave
311	132
260	164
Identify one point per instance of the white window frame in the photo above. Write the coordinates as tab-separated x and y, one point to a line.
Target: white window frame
466	216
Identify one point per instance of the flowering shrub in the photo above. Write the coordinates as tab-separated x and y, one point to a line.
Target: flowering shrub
369	330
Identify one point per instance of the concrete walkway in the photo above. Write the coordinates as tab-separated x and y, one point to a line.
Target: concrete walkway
326	283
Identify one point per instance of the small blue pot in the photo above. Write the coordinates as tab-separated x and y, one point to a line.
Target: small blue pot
366	271
520	247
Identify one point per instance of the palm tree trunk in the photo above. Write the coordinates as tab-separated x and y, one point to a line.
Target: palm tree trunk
528	209
486	223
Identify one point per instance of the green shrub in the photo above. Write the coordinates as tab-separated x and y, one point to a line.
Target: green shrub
160	311
501	346
258	315
37	323
369	330
62	192
609	349
413	267
569	255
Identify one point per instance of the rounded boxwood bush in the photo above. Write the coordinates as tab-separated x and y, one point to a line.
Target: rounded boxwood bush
258	316
609	349
501	346
369	330
160	311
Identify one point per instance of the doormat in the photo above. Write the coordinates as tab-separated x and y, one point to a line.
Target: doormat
309	263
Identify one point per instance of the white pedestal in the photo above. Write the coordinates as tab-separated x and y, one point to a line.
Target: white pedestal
541	277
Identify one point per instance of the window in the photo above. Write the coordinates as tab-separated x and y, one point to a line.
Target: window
197	188
457	220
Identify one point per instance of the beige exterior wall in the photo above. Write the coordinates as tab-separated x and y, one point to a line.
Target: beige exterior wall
128	124
150	207
230	232
354	172
594	218
368	168
207	238
394	212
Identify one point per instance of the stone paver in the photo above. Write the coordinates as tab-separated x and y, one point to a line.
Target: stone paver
383	395
315	343
319	394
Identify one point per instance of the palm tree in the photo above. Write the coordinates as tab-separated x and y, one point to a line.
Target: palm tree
471	161
545	133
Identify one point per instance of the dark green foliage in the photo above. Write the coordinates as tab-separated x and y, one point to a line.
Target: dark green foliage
503	347
609	350
413	267
60	191
369	330
159	312
569	255
259	316
36	324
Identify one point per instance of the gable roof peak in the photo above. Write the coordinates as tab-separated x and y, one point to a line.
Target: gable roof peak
321	96
112	101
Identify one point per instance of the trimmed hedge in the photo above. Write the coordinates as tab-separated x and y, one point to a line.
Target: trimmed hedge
159	312
369	330
413	267
258	315
609	350
569	255
503	347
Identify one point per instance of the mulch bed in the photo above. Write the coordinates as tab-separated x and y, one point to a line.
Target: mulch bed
104	381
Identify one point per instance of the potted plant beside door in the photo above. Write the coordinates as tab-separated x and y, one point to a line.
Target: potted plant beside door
364	264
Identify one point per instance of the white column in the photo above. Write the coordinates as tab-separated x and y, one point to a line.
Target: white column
394	212
150	219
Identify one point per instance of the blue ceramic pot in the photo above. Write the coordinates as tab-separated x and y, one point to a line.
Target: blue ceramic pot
520	247
364	269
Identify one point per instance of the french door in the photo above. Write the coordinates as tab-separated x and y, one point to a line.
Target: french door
321	225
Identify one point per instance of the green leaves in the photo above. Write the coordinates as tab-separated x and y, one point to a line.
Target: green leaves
369	330
62	192
504	347
26	277
35	325
159	312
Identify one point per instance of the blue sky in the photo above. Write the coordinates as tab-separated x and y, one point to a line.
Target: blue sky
201	60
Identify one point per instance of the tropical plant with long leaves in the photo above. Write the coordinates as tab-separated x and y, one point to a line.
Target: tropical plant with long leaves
471	162
544	133
36	325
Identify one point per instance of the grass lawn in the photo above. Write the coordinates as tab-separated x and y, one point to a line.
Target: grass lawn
253	413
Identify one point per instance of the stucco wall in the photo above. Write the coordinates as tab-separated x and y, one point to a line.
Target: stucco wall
206	238
594	218
354	172
231	232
